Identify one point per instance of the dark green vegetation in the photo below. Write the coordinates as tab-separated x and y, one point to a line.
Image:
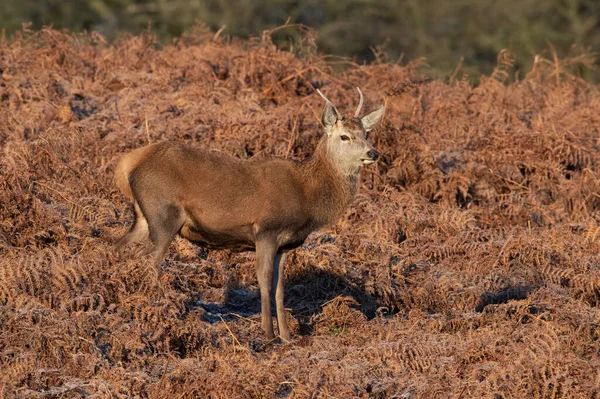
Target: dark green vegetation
468	33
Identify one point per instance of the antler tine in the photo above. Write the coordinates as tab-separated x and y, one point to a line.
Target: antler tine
323	95
326	99
360	103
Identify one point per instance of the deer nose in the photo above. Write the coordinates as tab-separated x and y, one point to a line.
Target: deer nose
374	155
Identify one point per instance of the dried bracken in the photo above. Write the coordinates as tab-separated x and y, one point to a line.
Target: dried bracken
468	265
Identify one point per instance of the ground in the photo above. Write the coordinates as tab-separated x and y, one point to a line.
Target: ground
467	266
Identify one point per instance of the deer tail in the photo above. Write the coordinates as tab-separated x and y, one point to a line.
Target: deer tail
127	164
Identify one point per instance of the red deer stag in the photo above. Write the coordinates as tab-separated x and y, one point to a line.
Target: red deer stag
267	206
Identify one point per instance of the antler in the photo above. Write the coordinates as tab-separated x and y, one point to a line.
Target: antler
360	103
326	99
322	95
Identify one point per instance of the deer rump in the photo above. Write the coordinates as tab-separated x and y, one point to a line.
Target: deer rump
214	200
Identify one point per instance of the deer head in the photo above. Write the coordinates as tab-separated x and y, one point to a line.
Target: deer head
345	139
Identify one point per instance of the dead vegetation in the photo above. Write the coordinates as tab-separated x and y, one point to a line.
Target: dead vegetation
467	267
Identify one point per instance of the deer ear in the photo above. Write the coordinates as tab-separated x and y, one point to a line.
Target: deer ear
329	117
370	120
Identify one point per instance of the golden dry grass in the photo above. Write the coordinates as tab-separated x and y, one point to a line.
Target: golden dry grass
468	265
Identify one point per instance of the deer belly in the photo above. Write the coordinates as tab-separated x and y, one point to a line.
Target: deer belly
235	240
293	239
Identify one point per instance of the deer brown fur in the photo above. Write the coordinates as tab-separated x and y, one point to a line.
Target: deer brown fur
267	206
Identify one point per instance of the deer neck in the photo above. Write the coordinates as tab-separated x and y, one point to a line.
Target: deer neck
329	189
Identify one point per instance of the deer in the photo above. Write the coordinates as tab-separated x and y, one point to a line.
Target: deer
269	206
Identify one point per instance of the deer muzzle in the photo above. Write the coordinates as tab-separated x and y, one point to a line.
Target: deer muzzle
372	155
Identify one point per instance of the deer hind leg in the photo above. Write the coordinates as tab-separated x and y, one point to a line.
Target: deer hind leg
277	287
164	222
265	257
138	231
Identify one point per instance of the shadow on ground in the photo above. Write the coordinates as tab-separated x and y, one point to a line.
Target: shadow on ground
304	296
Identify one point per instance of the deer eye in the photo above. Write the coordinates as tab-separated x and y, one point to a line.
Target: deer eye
344	137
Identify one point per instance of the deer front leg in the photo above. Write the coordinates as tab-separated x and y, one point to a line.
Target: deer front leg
278	283
265	257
